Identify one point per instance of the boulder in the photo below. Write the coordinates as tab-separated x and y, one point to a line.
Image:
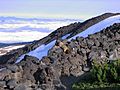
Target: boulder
11	84
2	84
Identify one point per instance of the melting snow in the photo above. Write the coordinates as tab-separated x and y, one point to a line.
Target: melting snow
99	26
64	37
39	52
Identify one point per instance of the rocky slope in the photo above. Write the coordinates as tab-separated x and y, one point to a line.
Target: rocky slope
66	63
62	67
71	29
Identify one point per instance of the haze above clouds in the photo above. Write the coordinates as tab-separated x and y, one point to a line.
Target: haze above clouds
81	9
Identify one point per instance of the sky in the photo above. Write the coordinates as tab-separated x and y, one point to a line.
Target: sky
74	9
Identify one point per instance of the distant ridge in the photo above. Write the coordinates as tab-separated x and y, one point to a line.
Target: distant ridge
9	44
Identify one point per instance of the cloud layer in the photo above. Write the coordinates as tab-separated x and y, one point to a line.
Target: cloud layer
16	30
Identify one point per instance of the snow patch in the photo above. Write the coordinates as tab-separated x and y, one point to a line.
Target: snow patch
9	48
99	26
39	52
64	37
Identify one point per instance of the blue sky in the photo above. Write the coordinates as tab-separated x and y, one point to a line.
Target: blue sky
81	9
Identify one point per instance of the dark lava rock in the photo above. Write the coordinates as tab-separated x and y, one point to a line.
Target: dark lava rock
4	74
60	70
11	84
2	84
22	87
13	68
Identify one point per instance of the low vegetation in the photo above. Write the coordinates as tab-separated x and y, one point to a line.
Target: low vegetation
104	76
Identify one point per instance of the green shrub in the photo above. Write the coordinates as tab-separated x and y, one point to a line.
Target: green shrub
103	75
107	72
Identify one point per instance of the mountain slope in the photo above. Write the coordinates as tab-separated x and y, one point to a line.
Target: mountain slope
43	49
67	61
59	70
12	56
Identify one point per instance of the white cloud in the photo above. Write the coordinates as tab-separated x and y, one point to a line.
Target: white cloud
28	30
